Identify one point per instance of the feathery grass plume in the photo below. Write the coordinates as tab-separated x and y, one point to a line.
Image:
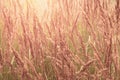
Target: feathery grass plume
68	40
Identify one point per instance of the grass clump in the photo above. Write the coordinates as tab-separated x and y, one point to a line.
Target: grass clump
73	40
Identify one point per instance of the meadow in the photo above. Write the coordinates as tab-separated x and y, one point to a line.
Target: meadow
60	40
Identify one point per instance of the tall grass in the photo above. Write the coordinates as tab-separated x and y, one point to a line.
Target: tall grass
73	40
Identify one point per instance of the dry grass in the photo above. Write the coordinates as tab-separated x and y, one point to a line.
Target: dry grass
74	40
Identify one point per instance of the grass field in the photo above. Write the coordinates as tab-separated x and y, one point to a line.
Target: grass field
59	40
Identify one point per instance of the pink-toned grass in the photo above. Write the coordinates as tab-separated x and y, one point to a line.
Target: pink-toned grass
74	40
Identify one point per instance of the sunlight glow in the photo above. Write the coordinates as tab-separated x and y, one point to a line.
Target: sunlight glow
40	6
